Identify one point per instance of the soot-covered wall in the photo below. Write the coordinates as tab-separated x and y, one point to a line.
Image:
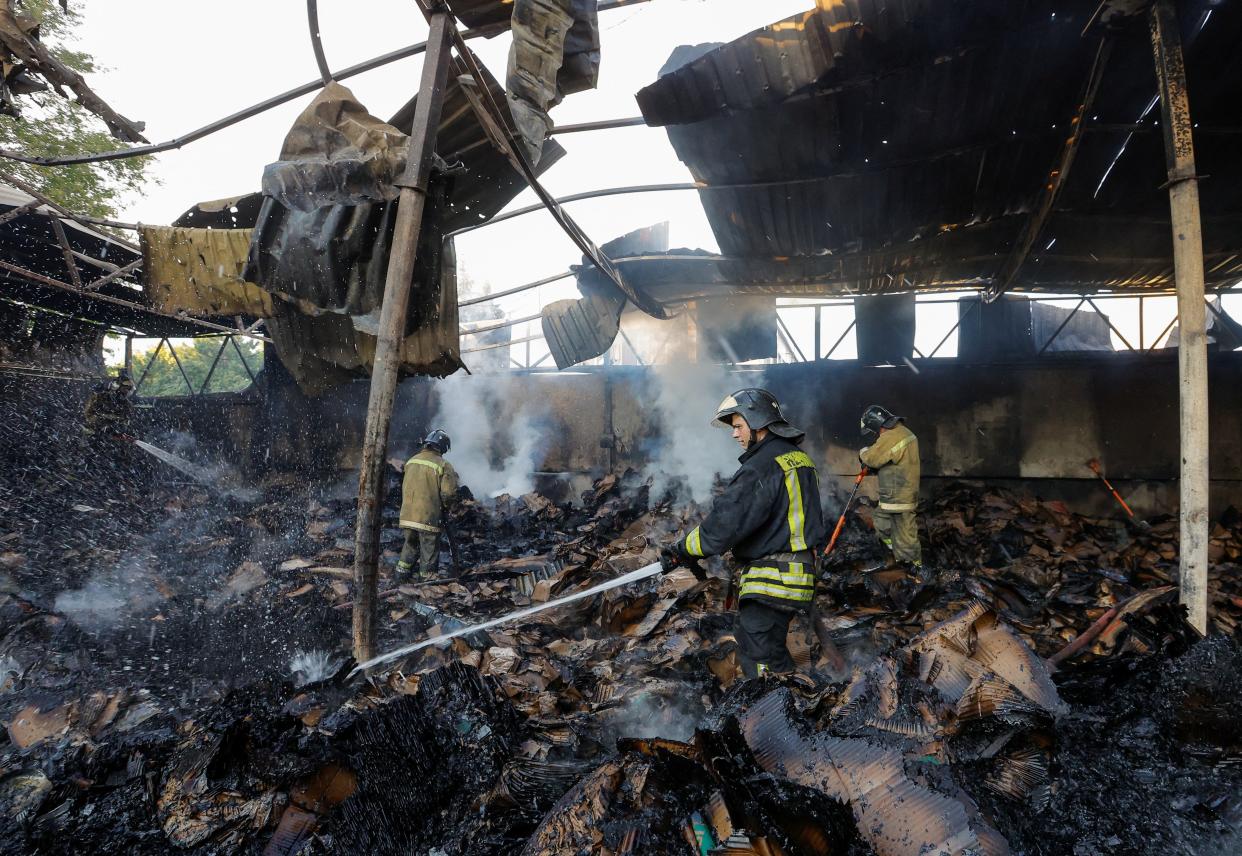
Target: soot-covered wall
1003	423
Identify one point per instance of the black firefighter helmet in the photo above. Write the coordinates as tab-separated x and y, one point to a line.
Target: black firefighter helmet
439	441
876	417
760	409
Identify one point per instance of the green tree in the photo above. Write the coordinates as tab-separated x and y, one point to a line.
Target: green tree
197	356
52	126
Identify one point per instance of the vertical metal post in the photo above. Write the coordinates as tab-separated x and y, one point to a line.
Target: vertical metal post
391	334
1142	332
818	331
1183	187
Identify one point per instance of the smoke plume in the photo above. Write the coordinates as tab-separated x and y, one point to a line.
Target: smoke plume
496	444
690	453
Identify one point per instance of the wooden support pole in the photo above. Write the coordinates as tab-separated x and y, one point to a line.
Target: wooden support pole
392	322
1183	186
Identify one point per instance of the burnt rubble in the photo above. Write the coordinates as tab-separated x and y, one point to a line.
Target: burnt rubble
194	698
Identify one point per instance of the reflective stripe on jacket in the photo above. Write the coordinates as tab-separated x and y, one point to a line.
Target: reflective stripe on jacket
770	507
429	482
785	585
895	459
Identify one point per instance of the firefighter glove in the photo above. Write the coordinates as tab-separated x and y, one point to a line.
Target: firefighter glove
670	558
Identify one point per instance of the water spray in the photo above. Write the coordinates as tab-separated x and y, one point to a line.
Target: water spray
633	576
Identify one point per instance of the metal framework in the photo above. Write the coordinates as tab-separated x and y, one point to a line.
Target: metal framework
166	342
110	272
794	349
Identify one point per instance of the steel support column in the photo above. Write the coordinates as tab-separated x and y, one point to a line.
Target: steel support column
392	321
1183	187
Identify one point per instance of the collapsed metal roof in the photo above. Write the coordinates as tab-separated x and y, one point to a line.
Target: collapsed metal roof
874	146
38	272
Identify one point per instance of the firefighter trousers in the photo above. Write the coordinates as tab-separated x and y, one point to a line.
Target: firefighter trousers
899	530
423	545
760	631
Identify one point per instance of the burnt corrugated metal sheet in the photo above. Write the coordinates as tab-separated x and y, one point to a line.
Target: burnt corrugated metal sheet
901	144
578	330
895	816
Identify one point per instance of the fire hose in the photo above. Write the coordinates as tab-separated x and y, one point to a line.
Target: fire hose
836	533
1094	466
633	576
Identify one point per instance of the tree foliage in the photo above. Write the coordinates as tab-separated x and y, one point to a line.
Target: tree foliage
52	126
196	356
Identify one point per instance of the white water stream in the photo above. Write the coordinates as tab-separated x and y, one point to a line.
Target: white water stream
633	576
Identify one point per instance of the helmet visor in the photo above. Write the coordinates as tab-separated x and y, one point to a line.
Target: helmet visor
725	411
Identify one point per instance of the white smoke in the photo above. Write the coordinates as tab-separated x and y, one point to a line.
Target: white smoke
496	445
659	713
691	452
110	595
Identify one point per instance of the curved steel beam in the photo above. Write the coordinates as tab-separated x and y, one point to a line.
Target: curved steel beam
264	105
312	19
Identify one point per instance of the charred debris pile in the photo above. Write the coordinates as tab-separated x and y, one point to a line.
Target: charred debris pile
186	691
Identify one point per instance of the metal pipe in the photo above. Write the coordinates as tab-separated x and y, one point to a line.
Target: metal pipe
266	104
212	369
312	20
185	377
65	212
1057	176
496	124
242	357
527	287
495	345
1109	322
833	349
511	323
600	125
150	362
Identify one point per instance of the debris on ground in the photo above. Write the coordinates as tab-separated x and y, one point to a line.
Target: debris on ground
183	689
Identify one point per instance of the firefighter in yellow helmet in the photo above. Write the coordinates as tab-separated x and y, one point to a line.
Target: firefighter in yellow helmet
894	458
430	483
769	516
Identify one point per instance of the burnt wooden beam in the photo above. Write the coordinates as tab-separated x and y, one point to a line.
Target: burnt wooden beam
1183	184
393	313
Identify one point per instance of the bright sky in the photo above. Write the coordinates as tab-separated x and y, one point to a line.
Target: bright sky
178	65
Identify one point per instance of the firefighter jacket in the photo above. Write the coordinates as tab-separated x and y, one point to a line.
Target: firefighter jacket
769	515
430	481
108	411
895	459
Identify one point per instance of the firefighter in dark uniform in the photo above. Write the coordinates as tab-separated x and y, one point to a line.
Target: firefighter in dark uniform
769	515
